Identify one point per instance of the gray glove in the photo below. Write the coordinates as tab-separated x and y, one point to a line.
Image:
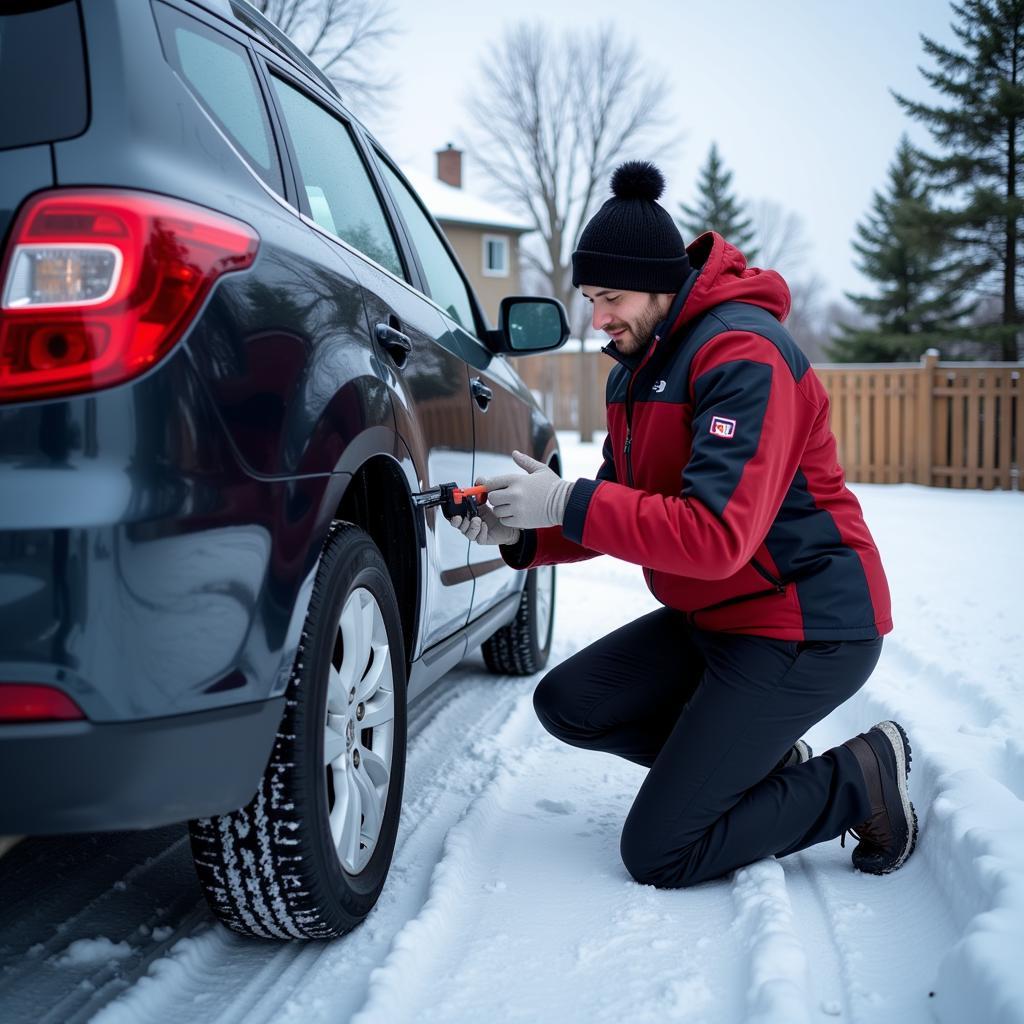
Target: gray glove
485	528
531	501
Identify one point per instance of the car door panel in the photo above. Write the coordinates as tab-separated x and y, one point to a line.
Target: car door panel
502	423
500	403
430	396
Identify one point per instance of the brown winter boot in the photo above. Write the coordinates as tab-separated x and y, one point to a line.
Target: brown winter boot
888	836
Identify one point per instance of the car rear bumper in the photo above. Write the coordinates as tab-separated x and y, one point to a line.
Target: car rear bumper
84	776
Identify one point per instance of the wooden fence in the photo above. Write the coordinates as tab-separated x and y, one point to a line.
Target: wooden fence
940	424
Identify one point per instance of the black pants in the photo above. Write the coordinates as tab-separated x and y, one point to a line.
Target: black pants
710	714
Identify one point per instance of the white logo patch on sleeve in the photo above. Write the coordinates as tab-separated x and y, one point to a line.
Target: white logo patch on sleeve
721	427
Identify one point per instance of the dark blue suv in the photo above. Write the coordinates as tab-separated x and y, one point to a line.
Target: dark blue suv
233	347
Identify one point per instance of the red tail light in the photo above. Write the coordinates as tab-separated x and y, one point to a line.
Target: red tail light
27	702
97	285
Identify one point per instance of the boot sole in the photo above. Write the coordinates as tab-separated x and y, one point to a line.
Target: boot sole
896	735
800	753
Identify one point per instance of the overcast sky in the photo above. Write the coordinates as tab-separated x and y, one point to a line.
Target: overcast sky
795	92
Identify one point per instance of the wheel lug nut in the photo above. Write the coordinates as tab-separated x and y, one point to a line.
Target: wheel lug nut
351	695
355	758
360	711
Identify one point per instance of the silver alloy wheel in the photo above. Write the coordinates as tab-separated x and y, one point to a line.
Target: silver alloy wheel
359	730
545	583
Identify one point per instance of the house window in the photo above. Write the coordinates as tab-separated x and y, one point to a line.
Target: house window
495	256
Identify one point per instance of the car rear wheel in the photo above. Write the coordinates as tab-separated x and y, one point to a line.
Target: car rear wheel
308	855
522	647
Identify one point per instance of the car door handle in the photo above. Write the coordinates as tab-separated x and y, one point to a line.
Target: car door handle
395	343
481	392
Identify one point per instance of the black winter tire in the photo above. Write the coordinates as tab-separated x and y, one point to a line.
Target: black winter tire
522	647
272	869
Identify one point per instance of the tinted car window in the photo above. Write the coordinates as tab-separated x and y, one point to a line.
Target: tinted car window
445	282
42	64
340	194
220	74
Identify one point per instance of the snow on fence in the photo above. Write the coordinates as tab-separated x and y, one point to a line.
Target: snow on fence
940	424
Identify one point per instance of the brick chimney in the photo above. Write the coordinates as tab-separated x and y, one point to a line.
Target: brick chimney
449	165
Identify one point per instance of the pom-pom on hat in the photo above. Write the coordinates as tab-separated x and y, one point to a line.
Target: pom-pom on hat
632	242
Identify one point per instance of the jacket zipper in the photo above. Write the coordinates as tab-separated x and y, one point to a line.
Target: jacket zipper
647	355
691	616
629	435
778	587
627	448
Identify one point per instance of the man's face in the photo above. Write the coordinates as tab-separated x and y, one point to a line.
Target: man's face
628	318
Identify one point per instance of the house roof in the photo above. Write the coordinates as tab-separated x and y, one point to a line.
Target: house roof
454	205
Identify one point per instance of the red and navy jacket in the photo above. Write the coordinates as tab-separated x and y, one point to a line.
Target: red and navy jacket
720	474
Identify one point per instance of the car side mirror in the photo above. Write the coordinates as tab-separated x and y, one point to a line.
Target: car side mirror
527	324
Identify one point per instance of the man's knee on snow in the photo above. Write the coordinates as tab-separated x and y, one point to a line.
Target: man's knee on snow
651	864
553	700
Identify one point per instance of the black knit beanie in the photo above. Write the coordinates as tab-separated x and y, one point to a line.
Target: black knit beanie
632	242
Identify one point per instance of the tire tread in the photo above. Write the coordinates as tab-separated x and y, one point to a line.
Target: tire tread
512	650
257	865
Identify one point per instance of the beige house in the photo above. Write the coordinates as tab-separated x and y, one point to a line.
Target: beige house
484	236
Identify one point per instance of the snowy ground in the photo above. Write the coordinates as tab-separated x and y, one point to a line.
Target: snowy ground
507	900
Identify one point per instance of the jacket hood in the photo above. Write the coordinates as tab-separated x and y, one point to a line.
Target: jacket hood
722	275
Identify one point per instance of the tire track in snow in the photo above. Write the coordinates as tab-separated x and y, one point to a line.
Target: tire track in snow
873	942
779	988
135	888
518	867
49	978
829	981
400	986
964	929
955	691
36	874
853	927
888	933
94	992
226	977
974	720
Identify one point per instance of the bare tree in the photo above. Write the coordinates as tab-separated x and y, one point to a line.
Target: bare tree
782	244
553	116
342	37
836	312
808	315
780	240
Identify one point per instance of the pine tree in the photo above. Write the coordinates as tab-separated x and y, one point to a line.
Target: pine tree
981	134
904	245
717	209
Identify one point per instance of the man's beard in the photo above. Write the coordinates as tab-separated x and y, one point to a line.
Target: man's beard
641	329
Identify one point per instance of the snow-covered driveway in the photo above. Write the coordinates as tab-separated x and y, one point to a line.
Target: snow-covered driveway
507	900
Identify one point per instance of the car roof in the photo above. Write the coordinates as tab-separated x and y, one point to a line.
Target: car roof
243	13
